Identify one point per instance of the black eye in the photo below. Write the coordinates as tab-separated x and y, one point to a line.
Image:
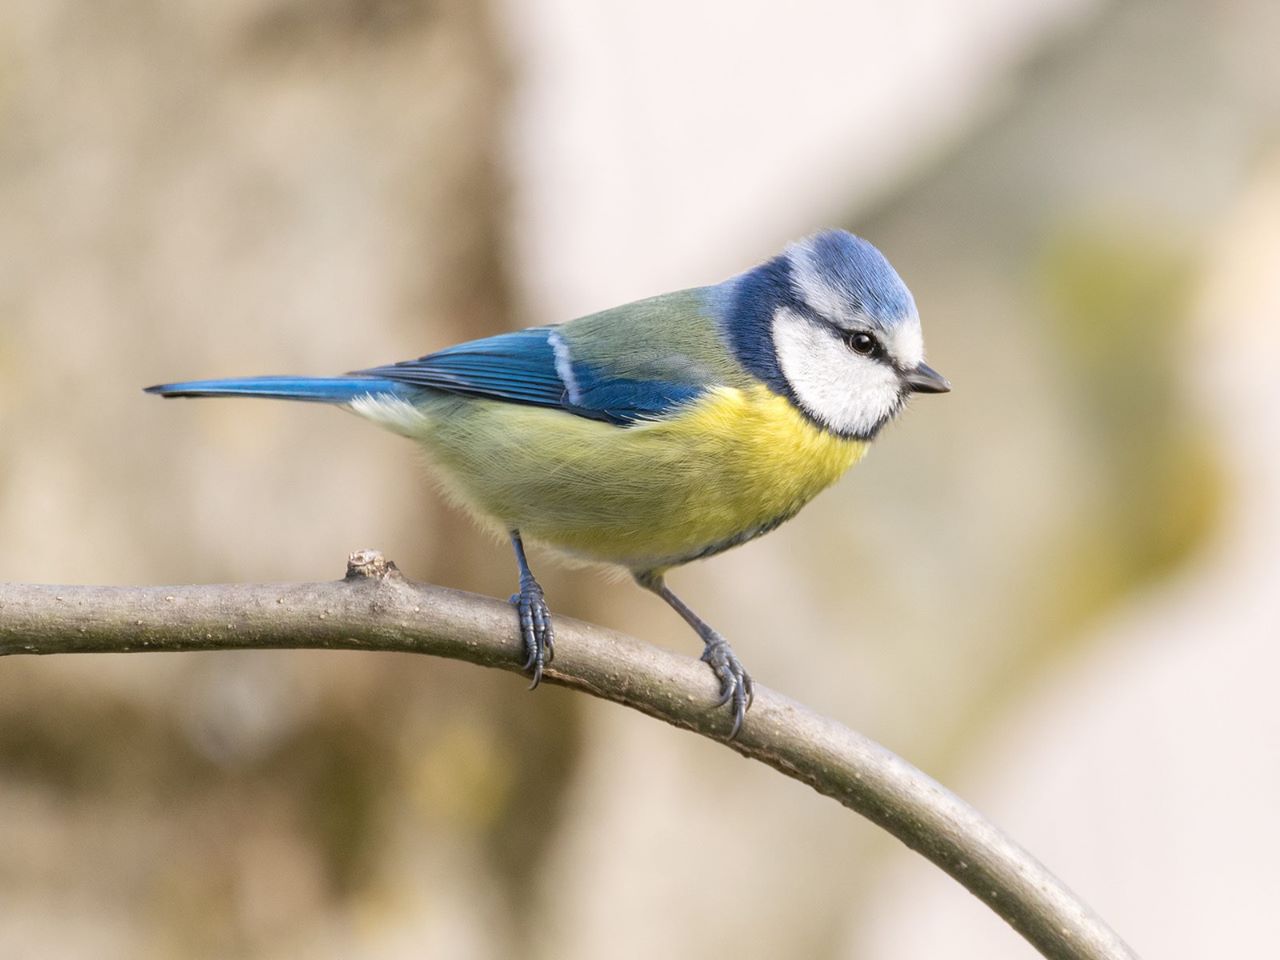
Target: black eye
863	344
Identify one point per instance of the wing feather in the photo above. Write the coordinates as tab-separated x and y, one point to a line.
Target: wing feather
522	367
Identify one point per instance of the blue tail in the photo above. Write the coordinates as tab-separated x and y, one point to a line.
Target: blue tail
314	389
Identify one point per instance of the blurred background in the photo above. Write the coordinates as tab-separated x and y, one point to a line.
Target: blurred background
1055	589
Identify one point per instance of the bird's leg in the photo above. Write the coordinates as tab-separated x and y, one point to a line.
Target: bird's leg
736	688
535	618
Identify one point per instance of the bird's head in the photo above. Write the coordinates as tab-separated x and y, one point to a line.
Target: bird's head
830	325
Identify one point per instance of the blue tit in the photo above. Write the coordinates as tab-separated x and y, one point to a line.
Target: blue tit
659	432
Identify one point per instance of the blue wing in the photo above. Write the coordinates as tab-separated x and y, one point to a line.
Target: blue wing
537	367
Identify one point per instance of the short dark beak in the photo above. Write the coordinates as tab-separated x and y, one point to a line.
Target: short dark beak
925	379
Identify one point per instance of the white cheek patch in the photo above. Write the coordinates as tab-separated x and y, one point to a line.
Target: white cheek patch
848	393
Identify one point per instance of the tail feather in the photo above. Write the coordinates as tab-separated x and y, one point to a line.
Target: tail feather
313	389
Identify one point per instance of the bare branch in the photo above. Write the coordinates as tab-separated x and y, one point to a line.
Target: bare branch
375	608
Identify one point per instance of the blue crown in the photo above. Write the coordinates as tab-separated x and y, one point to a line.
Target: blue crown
855	273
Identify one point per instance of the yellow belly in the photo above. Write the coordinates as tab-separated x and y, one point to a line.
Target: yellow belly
649	496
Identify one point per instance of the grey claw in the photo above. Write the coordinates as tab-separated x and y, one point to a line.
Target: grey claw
736	686
535	629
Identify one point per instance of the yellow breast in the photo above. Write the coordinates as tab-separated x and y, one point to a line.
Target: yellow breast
731	466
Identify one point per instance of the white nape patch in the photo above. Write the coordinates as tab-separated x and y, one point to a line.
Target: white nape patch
564	365
394	413
848	393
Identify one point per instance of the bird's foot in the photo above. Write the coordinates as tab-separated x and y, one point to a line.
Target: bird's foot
736	688
535	628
